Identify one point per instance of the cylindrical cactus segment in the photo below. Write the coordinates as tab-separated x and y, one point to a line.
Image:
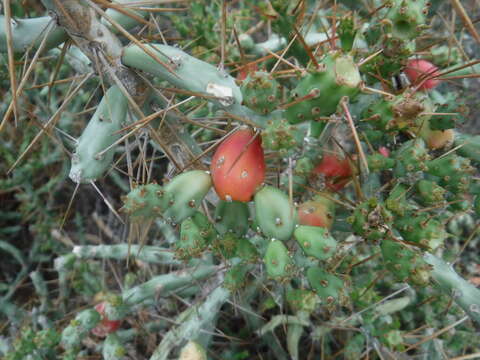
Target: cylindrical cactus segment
89	161
454	171
430	193
196	232
280	136
232	216
185	193
260	92
320	91
327	286
145	201
407	18
235	277
278	263
469	146
315	241
275	215
78	329
422	229
378	162
405	264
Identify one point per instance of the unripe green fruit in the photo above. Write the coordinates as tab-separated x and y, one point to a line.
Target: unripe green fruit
327	286
315	241
278	262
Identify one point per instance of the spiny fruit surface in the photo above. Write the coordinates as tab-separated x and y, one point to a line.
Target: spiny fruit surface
417	70
238	166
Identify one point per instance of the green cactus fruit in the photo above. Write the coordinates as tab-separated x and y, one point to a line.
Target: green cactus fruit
422	230
327	286
315	241
145	201
371	220
246	250
235	277
319	92
276	217
397	200
282	137
411	157
302	300
405	264
196	233
88	161
470	146
379	162
278	262
430	193
185	193
406	18
232	216
260	92
225	246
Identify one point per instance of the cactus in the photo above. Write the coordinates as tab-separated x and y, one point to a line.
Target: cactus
278	262
275	215
260	92
232	216
327	286
320	211
315	241
196	233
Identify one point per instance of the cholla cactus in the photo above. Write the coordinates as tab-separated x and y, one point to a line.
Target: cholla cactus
329	179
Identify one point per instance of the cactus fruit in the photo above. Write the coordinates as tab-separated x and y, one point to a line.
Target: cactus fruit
88	161
422	73
278	263
196	232
106	326
238	166
185	192
275	216
260	92
232	216
335	171
405	264
327	286
315	241
320	211
319	92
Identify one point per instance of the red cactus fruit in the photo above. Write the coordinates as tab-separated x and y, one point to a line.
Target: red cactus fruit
246	70
320	211
238	166
419	70
384	151
105	326
337	172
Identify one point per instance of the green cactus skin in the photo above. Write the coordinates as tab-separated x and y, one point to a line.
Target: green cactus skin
127	22
338	76
278	263
196	233
280	136
406	18
405	264
316	241
185	192
411	157
113	348
246	251
397	200
260	92
430	193
378	162
454	171
78	329
465	294
327	286
370	218
145	201
225	246
29	32
470	146
421	229
302	300
232	216
235	277
100	133
275	215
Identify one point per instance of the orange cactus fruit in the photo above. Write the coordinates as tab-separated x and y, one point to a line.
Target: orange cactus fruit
320	211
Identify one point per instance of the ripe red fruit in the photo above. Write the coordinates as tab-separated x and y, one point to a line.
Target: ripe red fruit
246	70
320	211
337	172
384	151
105	326
238	166
419	70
